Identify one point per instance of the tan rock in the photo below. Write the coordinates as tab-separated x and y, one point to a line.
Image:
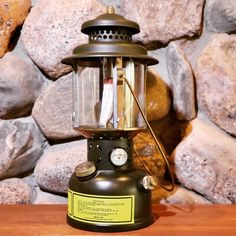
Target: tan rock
216	81
157	99
169	131
149	154
12	15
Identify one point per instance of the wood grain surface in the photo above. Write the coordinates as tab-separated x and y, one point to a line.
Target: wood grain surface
182	220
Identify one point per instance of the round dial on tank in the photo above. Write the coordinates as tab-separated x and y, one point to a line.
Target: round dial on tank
119	157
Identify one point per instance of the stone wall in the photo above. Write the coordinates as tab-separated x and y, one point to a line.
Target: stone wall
191	96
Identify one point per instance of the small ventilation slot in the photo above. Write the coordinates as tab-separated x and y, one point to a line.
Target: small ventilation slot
111	35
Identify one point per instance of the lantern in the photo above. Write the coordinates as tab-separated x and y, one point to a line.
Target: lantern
106	193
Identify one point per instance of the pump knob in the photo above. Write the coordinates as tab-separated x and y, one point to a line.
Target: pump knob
85	169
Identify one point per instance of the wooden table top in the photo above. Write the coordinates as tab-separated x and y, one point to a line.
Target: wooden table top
184	220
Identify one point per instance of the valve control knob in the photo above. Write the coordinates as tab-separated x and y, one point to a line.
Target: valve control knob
149	182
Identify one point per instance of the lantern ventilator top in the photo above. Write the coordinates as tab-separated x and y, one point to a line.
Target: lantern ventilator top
110	35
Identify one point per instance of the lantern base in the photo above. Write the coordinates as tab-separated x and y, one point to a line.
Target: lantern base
112	197
139	224
109	201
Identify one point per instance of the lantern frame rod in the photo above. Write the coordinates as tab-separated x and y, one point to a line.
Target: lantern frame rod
155	139
115	116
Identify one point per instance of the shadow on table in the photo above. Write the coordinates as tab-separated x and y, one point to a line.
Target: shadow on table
171	210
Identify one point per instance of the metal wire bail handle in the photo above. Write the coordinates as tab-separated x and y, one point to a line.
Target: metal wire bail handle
154	138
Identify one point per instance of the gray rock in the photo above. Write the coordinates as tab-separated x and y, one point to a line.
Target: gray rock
54	169
41	197
48	198
220	16
115	4
216	82
52	30
19	87
163	20
182	195
182	82
205	161
15	191
32	182
193	48
53	110
21	144
33	2
161	67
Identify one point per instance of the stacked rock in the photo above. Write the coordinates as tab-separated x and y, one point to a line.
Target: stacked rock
191	96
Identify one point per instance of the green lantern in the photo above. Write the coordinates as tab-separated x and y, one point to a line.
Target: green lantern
107	193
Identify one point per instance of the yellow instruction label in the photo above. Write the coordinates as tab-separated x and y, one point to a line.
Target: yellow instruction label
101	209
